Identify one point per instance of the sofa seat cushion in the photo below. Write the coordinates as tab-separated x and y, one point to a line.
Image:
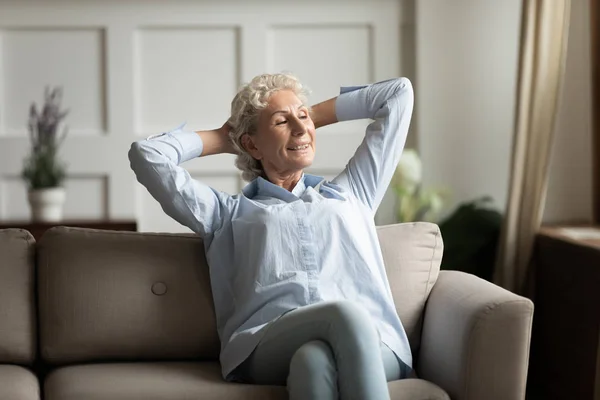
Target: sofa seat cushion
416	389
175	381
151	381
18	383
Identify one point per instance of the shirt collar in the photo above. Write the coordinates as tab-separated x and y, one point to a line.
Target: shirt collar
262	187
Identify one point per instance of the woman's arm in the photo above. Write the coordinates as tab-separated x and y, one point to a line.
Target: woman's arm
156	164
323	114
390	103
216	141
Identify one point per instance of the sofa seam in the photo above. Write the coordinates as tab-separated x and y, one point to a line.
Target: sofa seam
392	226
29	238
479	319
24	234
430	267
128	233
40	301
30	242
529	332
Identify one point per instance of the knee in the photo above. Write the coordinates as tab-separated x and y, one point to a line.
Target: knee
312	358
351	317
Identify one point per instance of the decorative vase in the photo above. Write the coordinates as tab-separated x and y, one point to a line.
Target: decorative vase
47	204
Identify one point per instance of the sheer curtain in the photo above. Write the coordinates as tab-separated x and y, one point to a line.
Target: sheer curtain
544	34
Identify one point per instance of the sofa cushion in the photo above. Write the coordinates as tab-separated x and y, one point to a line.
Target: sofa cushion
151	381
17	315
179	381
416	389
18	383
412	253
124	296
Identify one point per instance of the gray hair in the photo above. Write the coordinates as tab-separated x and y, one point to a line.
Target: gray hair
245	109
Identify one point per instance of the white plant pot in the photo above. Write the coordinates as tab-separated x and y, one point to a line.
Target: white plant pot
47	204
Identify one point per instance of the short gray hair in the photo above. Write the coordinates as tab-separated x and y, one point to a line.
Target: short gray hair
245	109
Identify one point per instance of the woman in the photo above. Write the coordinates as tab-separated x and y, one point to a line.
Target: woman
299	286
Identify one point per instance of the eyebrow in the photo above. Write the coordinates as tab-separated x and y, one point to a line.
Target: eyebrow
285	111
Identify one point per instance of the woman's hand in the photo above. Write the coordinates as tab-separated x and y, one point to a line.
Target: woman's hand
227	145
217	141
323	114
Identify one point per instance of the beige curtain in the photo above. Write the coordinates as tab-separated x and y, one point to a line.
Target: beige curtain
544	30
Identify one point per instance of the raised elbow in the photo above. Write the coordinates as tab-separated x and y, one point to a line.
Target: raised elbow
136	155
404	85
404	82
404	91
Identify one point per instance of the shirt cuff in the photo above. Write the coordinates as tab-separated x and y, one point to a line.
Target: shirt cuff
351	103
189	145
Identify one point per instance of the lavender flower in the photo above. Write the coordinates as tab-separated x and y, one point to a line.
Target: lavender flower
43	126
42	168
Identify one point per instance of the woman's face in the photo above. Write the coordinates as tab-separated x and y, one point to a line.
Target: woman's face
285	138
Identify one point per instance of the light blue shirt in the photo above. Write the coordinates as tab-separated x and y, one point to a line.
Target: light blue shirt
270	250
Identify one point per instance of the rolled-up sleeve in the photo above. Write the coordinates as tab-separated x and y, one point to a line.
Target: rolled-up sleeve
389	103
156	164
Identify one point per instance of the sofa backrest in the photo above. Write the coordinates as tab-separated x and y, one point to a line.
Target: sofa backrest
17	301
124	296
130	296
412	253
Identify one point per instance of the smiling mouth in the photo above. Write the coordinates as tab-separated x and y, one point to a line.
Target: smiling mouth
297	148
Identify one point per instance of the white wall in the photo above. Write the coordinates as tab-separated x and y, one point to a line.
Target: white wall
569	196
467	55
108	56
465	87
138	67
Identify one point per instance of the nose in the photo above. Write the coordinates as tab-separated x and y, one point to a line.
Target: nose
298	128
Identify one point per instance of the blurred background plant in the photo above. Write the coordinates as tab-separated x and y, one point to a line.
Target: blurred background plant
42	168
470	232
413	201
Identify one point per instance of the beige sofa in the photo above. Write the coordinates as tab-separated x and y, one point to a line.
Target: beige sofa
99	315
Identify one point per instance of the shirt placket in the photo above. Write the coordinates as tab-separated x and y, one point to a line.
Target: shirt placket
307	250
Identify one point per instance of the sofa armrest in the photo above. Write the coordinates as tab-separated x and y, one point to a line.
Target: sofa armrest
475	340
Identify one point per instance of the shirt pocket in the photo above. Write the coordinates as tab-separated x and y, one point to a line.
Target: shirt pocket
274	276
282	286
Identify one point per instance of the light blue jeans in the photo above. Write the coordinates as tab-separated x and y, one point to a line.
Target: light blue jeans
325	351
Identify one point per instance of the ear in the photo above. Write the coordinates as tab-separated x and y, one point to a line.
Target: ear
250	147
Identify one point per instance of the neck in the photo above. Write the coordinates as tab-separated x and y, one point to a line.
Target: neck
287	181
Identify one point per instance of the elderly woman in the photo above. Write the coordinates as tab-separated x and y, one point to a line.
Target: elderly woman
300	290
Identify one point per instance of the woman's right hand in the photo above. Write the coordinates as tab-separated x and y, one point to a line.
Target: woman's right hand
228	146
217	141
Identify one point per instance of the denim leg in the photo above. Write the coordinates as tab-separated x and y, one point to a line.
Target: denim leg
391	364
313	373
394	367
350	334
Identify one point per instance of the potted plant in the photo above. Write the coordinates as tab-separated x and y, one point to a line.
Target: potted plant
43	171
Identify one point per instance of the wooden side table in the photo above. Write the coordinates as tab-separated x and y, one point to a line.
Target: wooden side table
37	229
565	345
